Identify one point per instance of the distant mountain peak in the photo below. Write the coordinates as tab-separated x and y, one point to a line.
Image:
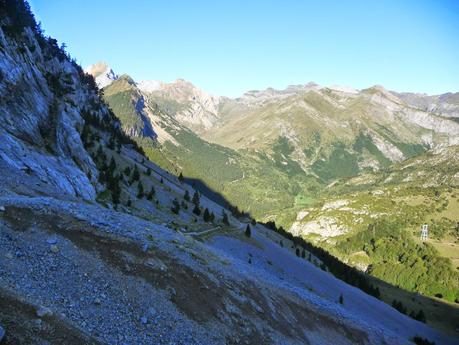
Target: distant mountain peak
102	73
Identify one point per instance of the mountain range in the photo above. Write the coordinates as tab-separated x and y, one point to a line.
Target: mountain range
121	209
325	163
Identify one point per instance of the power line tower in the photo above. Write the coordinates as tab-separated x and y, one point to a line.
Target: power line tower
424	232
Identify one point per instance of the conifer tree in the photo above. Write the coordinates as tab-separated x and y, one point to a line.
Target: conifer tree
186	196
127	171
196	210
248	232
181	178
341	299
112	166
140	190
129	202
175	206
195	199
206	215
148	172
212	216
151	194
135	174
225	219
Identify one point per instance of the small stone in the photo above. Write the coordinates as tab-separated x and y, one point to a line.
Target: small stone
2	333
145	247
44	311
54	248
144	320
97	301
51	240
2	208
9	255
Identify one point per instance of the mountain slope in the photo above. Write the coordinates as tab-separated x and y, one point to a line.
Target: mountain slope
363	219
95	250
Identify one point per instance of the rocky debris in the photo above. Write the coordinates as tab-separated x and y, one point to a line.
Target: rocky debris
54	249
51	240
44	311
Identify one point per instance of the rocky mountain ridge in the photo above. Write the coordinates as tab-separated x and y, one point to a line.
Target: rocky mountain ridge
99	245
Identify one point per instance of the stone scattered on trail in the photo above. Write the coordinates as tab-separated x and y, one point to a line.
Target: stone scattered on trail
54	249
51	240
144	320
44	311
2	208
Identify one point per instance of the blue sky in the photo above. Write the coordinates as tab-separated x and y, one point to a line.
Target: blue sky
229	47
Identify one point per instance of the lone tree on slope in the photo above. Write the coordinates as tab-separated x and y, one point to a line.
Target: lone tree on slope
140	190
195	199
225	219
206	215
248	232
175	206
151	194
186	196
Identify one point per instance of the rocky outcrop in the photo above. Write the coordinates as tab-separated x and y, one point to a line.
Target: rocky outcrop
41	100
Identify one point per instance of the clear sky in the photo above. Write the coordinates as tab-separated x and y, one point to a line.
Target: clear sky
229	47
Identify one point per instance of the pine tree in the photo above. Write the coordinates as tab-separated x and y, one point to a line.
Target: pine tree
135	174
129	202
212	216
195	199
225	219
206	215
162	181
112	166
175	206
140	190
186	196
303	254
184	205
127	171
181	178
297	252
196	210
248	232
341	299
148	172
151	194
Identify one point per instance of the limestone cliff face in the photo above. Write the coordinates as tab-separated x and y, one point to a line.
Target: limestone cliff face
42	99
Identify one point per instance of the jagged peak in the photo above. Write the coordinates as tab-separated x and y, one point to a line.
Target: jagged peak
102	73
